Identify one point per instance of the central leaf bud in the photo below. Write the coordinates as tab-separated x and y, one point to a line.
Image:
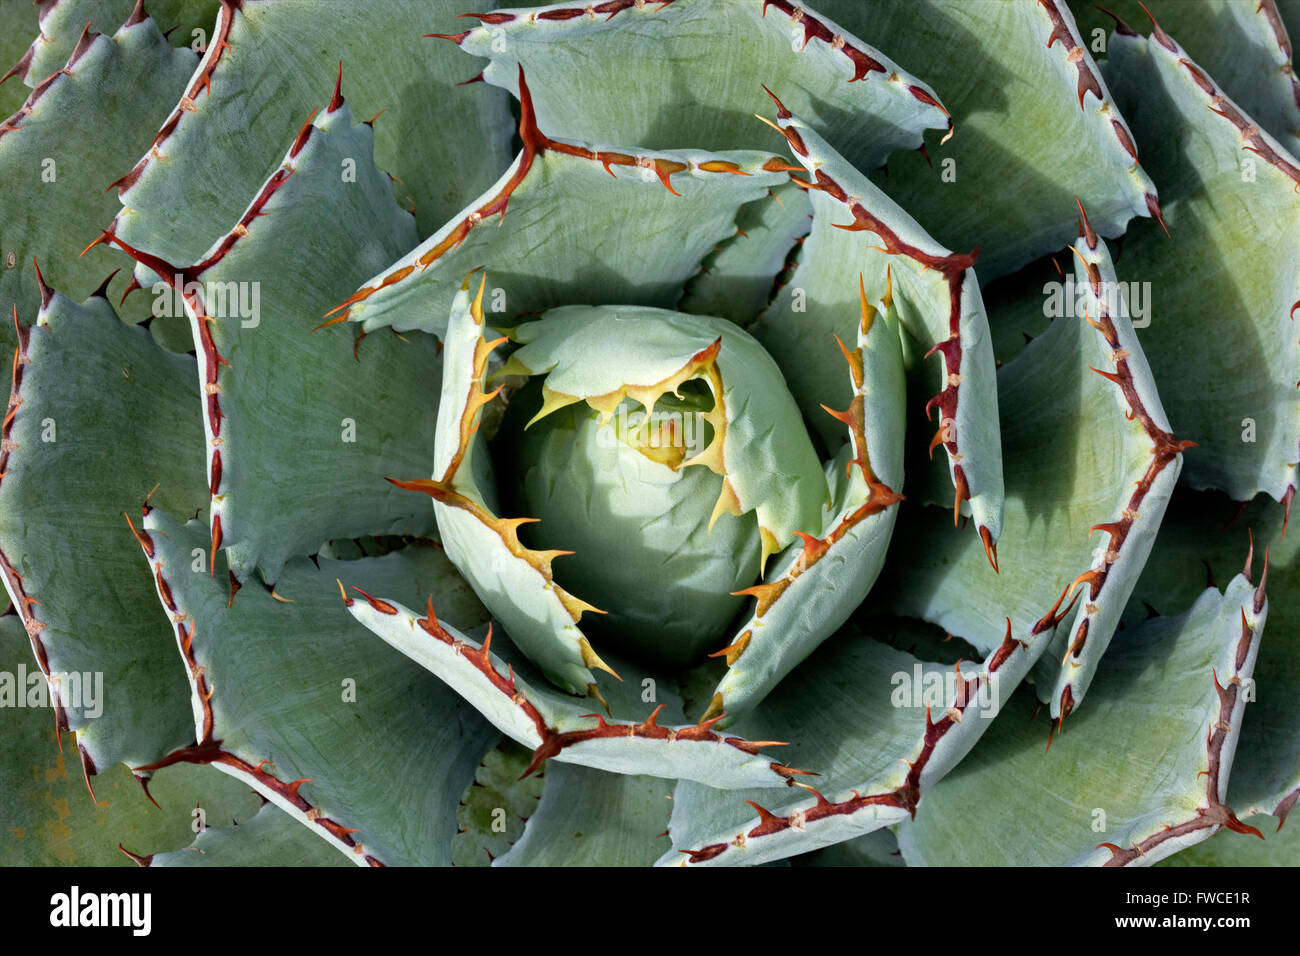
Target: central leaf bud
666	453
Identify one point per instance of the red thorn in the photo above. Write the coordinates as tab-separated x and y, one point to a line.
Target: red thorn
533	138
1286	502
138	15
1236	826
1110	376
707	725
1161	36
22	66
383	607
102	291
1263	580
1250	554
1154	208
88	770
304	134
337	100
781	111
431	488
1088	232
136	858
430	618
47	293
765	815
991	552
962	493
663	175
144	785
1122	28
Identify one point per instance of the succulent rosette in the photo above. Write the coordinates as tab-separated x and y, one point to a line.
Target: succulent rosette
691	432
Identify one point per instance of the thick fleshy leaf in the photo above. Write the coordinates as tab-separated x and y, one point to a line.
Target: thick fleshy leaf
939	310
1034	126
590	818
612	72
1242	43
613	488
275	60
760	448
302	428
1233	211
352	740
270	838
515	582
48	814
700	513
79	129
495	807
501	683
1226	848
1125	784
1088	449
817	583
570	224
62	23
736	281
1206	532
885	727
99	415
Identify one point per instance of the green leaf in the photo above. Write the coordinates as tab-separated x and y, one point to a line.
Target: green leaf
270	838
81	128
691	73
516	582
590	818
1125	784
760	446
570	225
277	61
494	808
817	583
303	427
1233	213
100	416
1229	849
1034	127
504	687
1242	42
878	726
671	592
860	236
47	813
1089	452
62	23
736	280
288	696
1204	531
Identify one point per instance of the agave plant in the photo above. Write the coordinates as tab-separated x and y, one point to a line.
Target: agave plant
808	395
